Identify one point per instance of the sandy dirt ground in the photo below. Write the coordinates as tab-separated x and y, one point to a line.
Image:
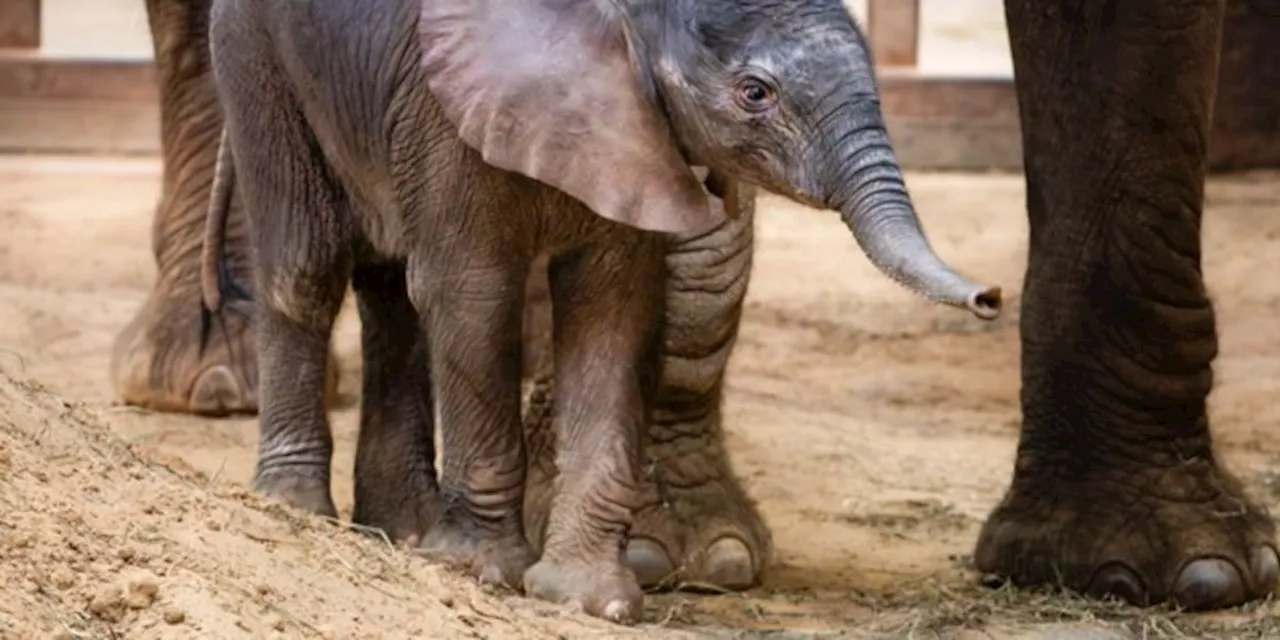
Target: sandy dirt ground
875	429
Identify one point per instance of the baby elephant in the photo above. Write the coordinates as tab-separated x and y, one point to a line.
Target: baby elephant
427	151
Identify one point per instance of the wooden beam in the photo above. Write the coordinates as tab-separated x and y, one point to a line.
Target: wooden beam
20	24
111	106
951	123
906	92
30	74
77	105
79	127
894	29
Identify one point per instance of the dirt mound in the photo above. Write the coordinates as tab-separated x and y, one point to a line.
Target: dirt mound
103	539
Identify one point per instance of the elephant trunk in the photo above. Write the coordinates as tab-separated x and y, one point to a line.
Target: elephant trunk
872	199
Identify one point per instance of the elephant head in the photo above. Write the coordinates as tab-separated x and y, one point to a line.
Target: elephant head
614	101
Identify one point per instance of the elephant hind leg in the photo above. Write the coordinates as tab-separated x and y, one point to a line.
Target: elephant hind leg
302	291
302	236
698	528
165	359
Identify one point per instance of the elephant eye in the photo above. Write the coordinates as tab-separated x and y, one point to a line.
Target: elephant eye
754	94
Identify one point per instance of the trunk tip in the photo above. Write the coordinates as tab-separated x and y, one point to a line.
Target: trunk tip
985	303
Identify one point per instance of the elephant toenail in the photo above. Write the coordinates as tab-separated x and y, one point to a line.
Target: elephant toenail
491	574
1116	580
216	392
649	561
1266	569
619	611
1208	583
728	565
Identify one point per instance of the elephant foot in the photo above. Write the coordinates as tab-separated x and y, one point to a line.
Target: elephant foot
1184	534
727	564
602	589
698	529
157	361
402	516
702	538
498	557
306	492
169	358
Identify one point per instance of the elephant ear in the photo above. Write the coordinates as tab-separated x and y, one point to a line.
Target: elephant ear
552	89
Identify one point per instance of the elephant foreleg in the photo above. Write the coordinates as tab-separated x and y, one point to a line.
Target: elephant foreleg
1116	489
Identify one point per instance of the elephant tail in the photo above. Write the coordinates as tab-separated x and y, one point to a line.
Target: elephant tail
212	262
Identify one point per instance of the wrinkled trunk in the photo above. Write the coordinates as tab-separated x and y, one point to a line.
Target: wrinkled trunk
872	199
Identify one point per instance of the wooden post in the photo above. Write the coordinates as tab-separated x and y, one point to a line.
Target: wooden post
894	29
20	24
1246	120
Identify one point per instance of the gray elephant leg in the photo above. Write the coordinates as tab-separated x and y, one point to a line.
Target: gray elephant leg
1117	489
295	448
395	482
696	524
162	360
606	303
468	295
299	230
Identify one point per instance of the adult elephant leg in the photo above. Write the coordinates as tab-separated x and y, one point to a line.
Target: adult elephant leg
169	357
1116	489
697	524
1246	117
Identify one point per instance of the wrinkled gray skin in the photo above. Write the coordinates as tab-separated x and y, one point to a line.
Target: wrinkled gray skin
697	525
401	155
1117	490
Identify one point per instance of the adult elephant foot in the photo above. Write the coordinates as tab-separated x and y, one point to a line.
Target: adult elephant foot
172	358
697	528
1117	488
1184	533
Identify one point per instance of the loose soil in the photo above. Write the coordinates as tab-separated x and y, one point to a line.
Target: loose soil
876	431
